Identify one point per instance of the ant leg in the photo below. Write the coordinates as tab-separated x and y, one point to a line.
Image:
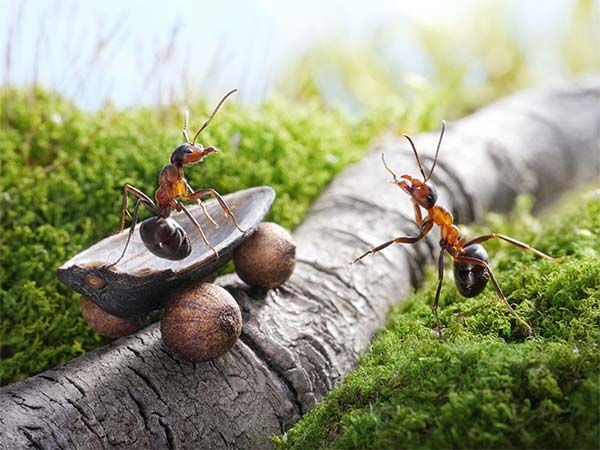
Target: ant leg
204	192
479	262
205	211
425	228
418	216
143	199
437	292
148	203
201	205
197	225
131	230
512	241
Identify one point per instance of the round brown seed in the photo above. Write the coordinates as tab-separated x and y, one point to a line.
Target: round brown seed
108	325
201	323
267	258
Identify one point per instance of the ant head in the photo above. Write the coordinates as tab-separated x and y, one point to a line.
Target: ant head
422	193
190	154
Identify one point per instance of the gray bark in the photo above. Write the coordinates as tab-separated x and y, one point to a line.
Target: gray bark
301	339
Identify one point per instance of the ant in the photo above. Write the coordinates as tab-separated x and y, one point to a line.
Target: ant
161	234
471	264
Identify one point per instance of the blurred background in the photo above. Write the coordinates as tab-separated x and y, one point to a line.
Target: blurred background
348	53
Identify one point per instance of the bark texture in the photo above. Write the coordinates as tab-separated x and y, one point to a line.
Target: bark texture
299	340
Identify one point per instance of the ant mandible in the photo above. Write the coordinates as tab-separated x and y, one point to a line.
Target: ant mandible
471	264
172	187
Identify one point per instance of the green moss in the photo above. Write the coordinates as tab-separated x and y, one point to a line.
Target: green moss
62	175
486	385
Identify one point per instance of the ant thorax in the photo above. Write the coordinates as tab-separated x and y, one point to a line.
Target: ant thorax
441	216
171	185
448	231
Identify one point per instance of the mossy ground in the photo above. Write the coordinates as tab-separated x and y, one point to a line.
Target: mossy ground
62	173
485	385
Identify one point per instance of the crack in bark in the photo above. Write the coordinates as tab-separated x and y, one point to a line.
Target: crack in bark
141	409
23	402
171	444
85	420
223	438
60	406
75	385
30	438
47	377
147	382
274	368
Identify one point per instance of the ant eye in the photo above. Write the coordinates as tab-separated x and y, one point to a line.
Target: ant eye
430	199
188	151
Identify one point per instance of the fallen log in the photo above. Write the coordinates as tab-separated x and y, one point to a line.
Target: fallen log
299	340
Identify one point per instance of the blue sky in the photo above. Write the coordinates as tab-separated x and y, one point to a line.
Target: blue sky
142	51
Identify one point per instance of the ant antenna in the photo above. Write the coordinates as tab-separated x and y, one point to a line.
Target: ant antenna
389	169
437	151
412	144
186	116
211	116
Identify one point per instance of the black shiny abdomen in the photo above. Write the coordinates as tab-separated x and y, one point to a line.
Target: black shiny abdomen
165	238
471	279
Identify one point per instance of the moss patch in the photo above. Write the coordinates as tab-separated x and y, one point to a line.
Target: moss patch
62	175
486	385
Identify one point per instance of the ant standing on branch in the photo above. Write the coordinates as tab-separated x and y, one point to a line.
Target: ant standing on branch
471	263
173	186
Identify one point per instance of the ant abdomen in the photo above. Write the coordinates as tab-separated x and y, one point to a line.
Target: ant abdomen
471	279
165	238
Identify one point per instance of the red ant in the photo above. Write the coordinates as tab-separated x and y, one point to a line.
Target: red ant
162	235
471	263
